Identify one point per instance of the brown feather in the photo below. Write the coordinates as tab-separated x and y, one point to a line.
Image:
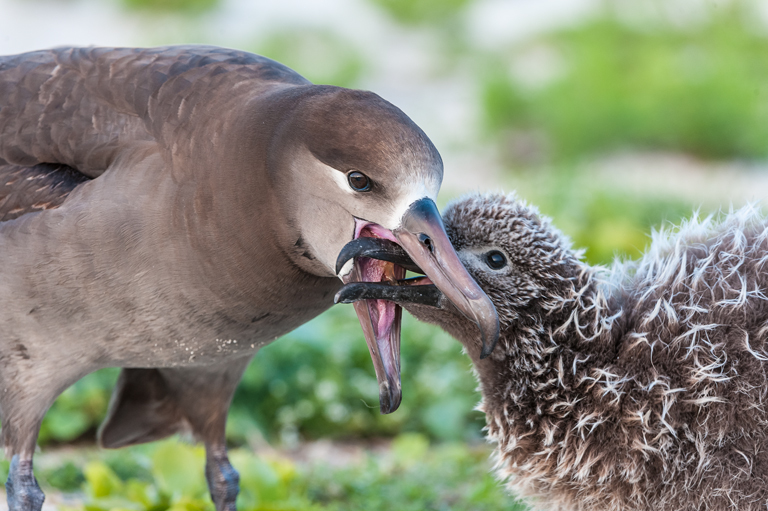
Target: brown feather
638	388
82	106
174	208
29	189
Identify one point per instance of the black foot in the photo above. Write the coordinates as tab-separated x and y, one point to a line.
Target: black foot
23	492
223	482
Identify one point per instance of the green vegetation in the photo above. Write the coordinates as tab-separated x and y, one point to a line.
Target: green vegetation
172	6
606	222
410	475
612	224
425	12
619	81
80	409
321	57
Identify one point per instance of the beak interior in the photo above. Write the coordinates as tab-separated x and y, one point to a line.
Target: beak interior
380	266
380	320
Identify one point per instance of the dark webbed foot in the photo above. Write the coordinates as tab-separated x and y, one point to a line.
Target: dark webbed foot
223	482
24	494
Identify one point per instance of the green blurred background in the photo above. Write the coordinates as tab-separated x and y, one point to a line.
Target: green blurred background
613	116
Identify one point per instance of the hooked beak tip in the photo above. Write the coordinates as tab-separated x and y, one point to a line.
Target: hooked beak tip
488	347
486	350
389	401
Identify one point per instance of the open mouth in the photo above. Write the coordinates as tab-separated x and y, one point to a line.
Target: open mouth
376	283
378	272
379	318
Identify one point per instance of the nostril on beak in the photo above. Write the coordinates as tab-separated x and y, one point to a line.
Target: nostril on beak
427	242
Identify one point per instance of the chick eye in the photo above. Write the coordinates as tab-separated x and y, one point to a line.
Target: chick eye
495	259
359	181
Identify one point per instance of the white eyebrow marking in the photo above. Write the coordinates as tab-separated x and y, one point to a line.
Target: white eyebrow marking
421	191
340	178
415	190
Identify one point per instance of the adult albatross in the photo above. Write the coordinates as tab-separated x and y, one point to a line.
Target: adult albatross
171	210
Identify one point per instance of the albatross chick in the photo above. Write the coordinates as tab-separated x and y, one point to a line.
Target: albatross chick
639	387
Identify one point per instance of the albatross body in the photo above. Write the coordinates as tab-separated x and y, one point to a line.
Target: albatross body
170	211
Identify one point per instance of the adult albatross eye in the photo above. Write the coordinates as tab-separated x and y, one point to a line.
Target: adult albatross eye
495	259
359	181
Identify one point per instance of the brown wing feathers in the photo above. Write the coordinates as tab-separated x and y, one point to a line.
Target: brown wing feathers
29	189
65	114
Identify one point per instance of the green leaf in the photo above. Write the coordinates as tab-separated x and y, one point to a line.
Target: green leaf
410	448
179	469
101	480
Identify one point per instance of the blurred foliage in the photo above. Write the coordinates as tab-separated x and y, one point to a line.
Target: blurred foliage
172	6
319	382
615	224
607	223
410	475
414	12
414	477
79	409
617	82
320	56
65	477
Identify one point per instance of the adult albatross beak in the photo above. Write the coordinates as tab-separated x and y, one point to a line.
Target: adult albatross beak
422	235
419	243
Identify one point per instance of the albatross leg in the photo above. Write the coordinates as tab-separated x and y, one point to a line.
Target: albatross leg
204	394
30	386
149	404
23	492
223	479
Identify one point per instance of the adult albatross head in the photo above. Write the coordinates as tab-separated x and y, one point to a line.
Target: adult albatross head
363	179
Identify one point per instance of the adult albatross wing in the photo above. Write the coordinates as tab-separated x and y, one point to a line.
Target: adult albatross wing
68	116
83	107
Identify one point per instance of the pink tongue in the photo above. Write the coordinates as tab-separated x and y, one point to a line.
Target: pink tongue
383	318
386	315
383	315
382	311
